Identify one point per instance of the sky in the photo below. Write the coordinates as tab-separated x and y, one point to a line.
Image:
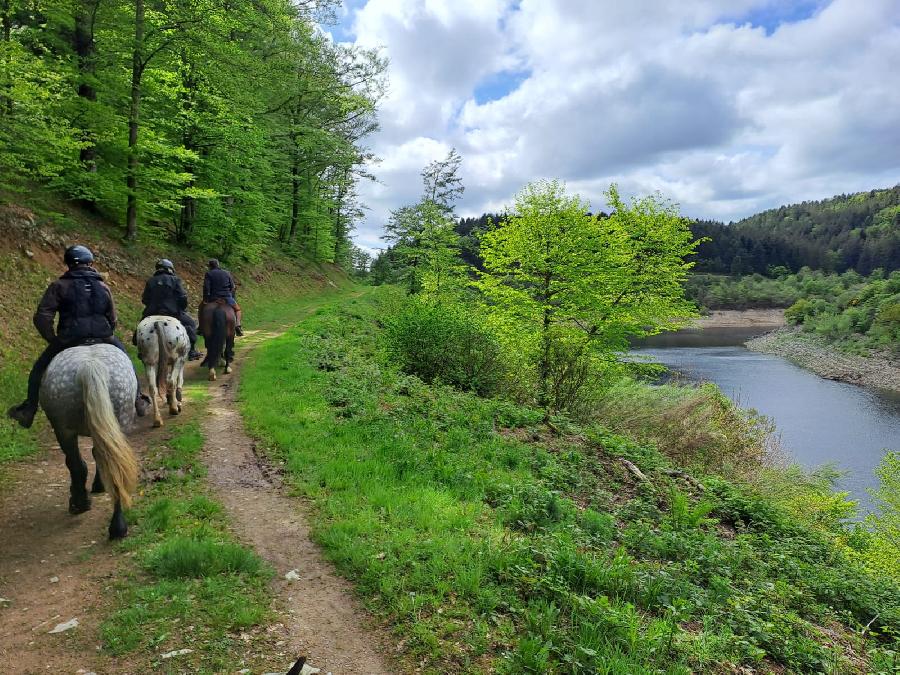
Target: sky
726	107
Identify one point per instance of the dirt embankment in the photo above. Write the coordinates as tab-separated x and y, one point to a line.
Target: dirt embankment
878	370
741	318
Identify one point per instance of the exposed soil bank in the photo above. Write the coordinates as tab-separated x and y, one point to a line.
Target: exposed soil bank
877	370
739	318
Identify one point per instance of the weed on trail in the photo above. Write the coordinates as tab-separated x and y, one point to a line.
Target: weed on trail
193	587
490	544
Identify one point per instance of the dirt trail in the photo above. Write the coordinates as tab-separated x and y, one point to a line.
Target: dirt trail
321	618
53	568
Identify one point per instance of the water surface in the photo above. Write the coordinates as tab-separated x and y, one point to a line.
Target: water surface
819	421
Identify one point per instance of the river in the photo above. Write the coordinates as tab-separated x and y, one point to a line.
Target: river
819	421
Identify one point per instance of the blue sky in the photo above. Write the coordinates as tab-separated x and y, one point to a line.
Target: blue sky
726	107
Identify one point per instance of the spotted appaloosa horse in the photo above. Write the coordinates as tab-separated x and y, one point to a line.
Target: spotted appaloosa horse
163	347
217	321
90	391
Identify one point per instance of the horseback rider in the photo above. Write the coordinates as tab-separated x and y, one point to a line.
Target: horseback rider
218	284
87	315
164	294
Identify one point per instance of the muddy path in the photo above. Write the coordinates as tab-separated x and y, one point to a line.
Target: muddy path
320	618
55	566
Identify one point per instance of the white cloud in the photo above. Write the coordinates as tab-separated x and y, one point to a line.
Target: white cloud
690	99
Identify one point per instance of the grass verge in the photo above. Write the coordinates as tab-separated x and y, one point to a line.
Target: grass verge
490	545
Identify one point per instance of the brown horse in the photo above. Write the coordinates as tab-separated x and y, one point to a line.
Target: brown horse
217	322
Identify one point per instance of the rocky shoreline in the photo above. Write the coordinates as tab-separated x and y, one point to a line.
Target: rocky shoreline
878	370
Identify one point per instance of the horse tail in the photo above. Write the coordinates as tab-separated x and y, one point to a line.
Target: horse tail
215	343
115	459
162	365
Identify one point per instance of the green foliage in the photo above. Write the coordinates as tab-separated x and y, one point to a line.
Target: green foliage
490	544
446	343
560	280
220	126
856	312
883	552
424	252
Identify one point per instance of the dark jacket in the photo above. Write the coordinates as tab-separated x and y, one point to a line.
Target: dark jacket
85	307
218	283
164	294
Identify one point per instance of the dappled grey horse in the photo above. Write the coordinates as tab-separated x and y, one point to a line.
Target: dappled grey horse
90	391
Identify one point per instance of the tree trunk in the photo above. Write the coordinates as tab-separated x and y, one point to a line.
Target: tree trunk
137	71
544	366
188	204
295	196
84	47
6	102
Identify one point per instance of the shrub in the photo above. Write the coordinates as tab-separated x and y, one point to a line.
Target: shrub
446	343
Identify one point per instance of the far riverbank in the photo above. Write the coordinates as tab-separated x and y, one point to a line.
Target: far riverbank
877	370
741	318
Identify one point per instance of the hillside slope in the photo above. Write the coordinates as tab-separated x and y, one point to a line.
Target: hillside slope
31	247
858	231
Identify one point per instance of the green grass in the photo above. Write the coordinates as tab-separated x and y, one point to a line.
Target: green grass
192	586
488	544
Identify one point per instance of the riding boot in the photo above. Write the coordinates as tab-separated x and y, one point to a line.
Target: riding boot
193	354
237	323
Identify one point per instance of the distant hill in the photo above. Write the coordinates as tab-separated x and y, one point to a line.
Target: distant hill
859	231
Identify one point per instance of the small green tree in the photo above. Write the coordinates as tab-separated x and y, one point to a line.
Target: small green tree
556	275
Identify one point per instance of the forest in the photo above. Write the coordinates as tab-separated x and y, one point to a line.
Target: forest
220	126
859	232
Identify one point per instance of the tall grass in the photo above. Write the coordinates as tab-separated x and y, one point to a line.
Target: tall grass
697	427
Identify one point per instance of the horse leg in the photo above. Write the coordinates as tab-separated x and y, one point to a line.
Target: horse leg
97	486
180	386
118	527
172	387
154	394
79	501
229	352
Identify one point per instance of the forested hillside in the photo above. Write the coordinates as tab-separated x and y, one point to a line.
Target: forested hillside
858	232
223	126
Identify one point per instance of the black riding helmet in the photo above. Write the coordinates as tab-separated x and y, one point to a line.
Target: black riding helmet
165	264
78	255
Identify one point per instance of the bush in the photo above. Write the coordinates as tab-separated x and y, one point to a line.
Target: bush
446	343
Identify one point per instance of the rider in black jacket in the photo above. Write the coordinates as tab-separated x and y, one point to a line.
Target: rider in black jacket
164	294
87	315
218	284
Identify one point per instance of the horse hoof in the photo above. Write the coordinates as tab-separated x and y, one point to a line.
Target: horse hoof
178	395
227	370
212	375
117	531
157	423
78	506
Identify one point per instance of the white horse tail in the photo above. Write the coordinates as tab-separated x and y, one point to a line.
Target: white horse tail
115	459
162	364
